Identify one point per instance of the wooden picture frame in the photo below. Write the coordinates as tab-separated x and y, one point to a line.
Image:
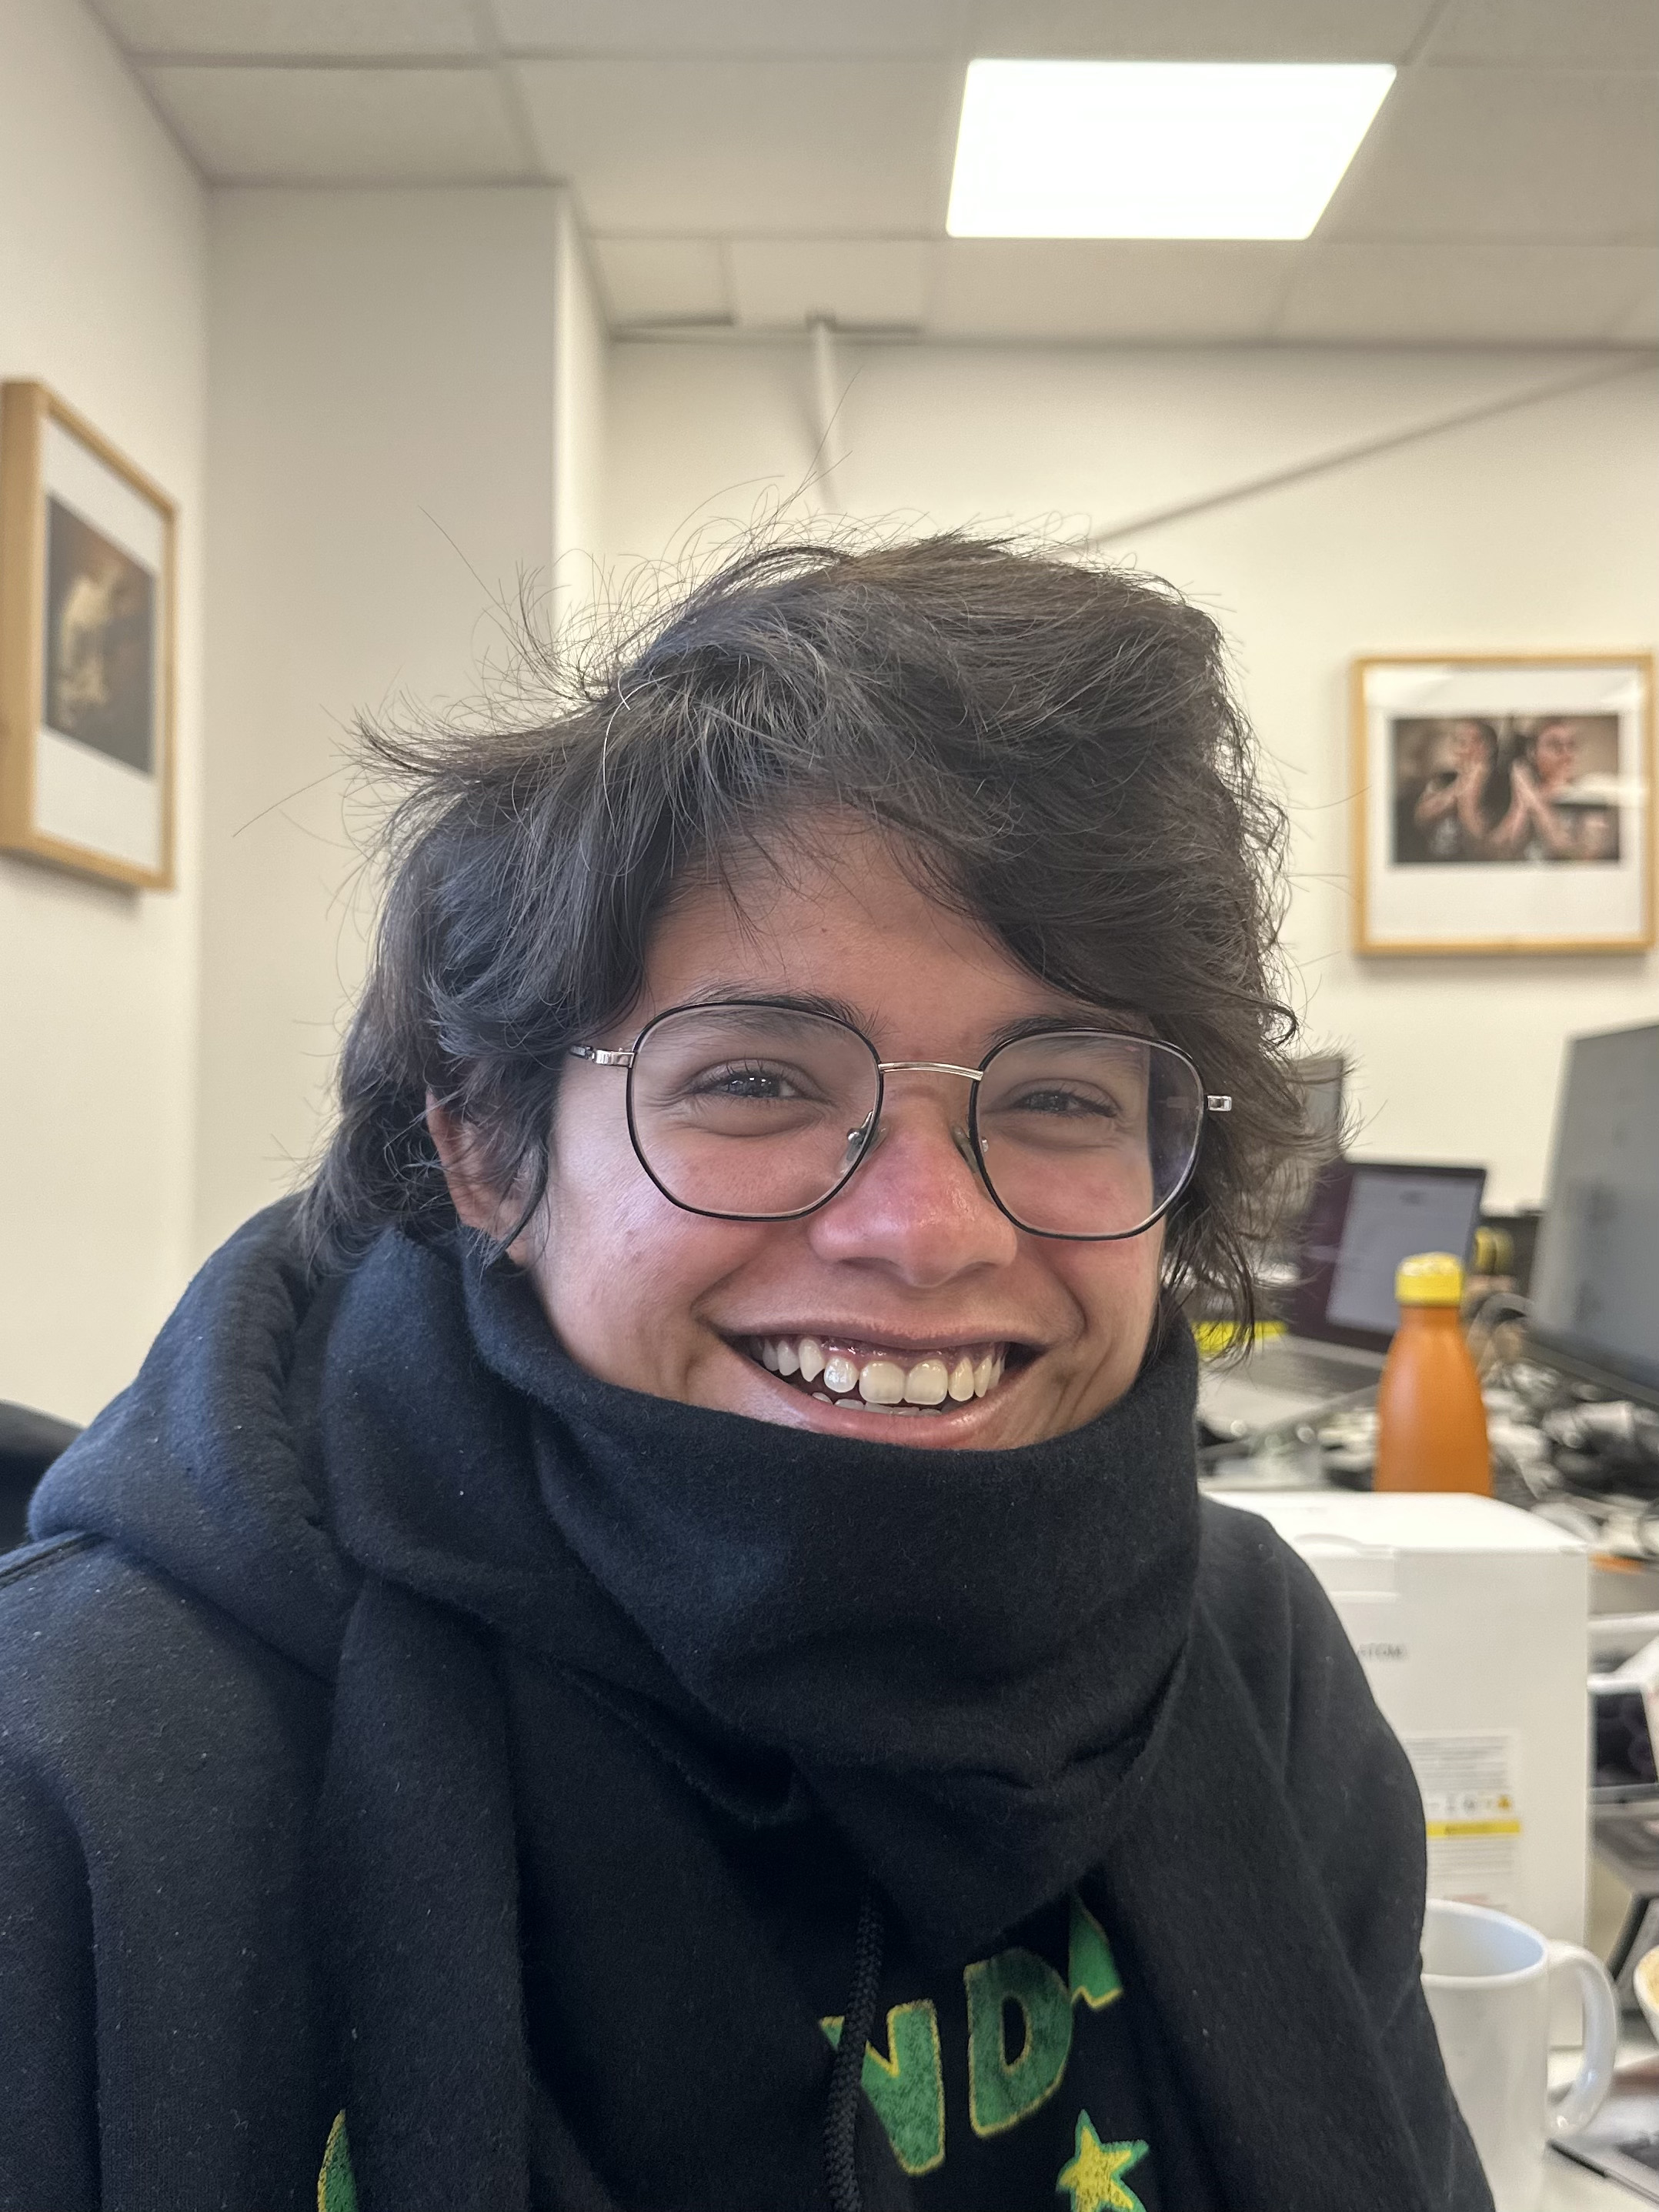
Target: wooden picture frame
1503	802
87	627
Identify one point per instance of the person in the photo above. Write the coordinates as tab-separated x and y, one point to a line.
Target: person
650	1639
1598	834
1447	813
1532	823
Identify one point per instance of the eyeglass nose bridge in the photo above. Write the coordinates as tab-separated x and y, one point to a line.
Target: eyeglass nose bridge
859	1141
928	1067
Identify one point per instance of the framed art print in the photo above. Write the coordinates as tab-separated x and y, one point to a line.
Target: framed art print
87	622
1505	803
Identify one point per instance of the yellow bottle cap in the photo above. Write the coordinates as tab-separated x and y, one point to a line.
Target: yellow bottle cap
1430	1278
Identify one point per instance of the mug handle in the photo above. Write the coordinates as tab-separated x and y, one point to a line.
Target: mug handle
1576	2104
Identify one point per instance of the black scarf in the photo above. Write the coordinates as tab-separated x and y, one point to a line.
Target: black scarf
591	1619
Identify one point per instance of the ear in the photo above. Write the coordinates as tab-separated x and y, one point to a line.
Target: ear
475	1199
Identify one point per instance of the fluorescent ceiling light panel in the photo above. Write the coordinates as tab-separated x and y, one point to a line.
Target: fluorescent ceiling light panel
1157	149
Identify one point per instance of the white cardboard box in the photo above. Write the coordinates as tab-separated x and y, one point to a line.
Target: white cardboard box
1471	1619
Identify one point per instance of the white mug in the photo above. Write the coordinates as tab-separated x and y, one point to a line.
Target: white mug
1488	1980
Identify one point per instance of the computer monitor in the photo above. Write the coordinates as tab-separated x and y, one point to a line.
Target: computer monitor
1366	1216
1595	1280
1322	1078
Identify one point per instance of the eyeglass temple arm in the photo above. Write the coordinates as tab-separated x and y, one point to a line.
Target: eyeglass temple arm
599	1057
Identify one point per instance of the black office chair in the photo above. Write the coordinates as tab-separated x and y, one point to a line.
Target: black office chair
29	1442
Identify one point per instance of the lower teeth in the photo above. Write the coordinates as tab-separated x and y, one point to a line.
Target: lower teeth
867	1406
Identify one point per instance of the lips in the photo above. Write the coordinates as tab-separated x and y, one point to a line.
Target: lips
854	1372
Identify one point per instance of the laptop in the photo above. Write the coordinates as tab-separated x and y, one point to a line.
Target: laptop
1365	1217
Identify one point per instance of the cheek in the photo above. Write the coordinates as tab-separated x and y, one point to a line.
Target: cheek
606	1273
1116	1289
619	1271
594	1220
619	1303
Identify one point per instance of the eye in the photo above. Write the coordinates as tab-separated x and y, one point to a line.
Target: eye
753	1080
1059	1099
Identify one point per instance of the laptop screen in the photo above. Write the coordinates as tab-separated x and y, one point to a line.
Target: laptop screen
1595	1280
1366	1216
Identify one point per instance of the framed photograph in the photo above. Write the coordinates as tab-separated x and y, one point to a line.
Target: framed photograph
1504	802
87	622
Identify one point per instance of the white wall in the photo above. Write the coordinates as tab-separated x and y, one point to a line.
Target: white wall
1537	527
382	426
103	296
581	366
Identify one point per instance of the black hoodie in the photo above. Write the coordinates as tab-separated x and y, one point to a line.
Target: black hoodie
398	1723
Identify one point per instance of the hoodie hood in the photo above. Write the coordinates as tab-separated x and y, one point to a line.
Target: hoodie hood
208	1467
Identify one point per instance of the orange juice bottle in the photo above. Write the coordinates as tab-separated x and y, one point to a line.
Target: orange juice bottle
1430	1421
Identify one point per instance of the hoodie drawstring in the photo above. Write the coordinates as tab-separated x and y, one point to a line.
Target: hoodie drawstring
847	2074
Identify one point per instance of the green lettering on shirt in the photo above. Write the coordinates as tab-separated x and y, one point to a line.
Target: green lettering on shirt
907	2088
1093	1969
1001	2090
337	2187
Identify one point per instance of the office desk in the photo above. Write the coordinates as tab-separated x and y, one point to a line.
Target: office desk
1571	2188
1568	2186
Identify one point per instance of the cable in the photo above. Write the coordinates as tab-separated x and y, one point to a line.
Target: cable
840	2117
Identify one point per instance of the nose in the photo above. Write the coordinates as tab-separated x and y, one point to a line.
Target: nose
916	1204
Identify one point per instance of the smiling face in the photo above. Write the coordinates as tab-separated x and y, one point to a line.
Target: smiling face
1555	749
909	1285
1470	744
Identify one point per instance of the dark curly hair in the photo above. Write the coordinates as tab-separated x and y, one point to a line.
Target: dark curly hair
1052	748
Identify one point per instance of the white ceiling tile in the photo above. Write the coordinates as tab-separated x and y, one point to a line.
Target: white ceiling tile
1507	153
1108	289
254	28
350	126
728	26
1198	30
1466	292
867	282
1581	34
660	281
779	147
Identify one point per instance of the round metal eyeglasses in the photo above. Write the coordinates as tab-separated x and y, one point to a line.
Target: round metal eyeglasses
750	1111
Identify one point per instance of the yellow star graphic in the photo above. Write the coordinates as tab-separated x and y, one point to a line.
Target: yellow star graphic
1091	2177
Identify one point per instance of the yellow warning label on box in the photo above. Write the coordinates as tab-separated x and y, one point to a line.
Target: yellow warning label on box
1473	1815
1438	1828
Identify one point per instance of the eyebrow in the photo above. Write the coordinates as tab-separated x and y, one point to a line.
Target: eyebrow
787	1002
1118	1018
1116	1021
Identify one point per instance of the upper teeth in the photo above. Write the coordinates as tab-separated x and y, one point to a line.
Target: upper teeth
885	1379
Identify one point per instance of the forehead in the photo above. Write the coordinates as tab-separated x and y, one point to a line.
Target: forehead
843	917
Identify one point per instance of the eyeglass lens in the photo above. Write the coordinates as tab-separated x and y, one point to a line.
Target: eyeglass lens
758	1112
